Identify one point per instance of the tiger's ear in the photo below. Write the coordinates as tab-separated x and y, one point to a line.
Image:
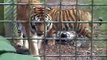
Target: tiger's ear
36	9
48	9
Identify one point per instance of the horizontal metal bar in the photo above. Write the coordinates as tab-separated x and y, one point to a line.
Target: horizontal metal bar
55	21
21	4
1	21
62	55
50	4
76	5
47	38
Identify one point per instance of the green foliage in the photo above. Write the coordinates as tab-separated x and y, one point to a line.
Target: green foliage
13	56
5	45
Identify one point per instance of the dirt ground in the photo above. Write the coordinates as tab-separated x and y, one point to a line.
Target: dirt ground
68	52
65	4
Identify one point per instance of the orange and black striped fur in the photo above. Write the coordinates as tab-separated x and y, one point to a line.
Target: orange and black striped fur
80	21
74	16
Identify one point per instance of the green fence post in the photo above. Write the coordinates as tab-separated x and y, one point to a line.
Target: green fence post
1	18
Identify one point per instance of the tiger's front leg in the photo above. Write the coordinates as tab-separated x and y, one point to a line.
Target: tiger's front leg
52	36
35	44
33	48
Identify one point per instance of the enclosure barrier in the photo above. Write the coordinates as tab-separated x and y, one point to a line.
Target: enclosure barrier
49	53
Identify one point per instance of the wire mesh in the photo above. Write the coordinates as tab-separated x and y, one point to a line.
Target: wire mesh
62	52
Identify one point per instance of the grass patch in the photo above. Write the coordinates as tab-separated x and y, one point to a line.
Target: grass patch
99	11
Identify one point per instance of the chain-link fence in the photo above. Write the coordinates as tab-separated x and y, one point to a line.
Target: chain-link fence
80	48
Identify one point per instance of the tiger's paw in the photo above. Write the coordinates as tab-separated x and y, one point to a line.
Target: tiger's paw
51	42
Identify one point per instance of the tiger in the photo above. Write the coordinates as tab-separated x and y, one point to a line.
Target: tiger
42	23
27	28
73	16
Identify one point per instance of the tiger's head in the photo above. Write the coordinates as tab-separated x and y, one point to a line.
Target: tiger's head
40	20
